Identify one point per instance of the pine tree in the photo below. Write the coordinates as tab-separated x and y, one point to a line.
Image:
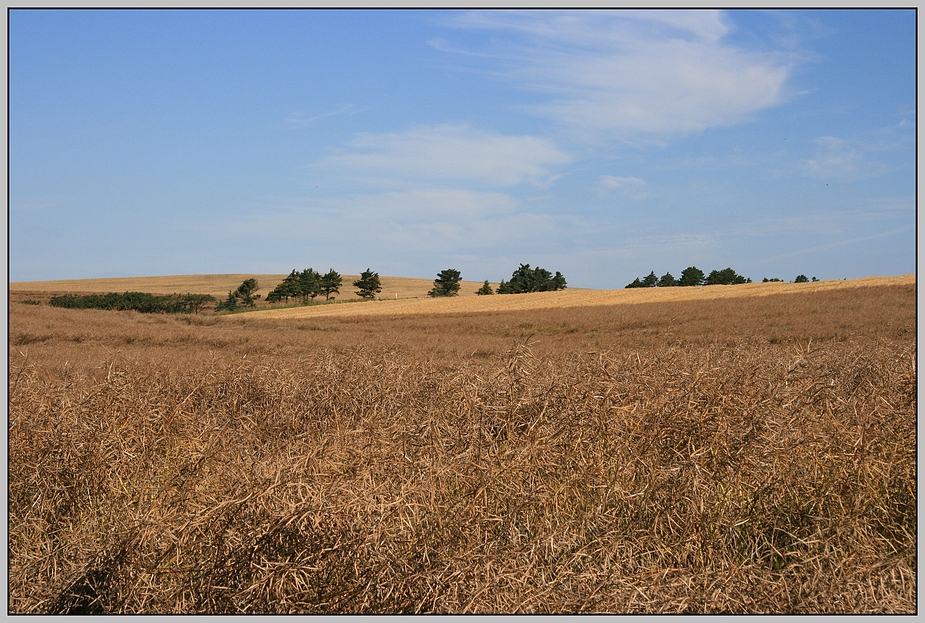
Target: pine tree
368	284
667	280
290	286
446	283
485	289
691	276
309	284
330	284
558	282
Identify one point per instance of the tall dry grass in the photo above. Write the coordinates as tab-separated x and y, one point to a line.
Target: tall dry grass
735	456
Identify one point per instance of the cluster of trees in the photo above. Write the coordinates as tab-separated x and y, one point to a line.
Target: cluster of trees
139	301
693	276
524	279
690	276
309	284
242	297
306	285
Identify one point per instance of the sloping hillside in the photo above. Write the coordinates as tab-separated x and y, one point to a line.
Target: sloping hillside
406	295
572	298
219	285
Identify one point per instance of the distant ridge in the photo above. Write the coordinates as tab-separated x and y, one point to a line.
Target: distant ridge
408	295
219	285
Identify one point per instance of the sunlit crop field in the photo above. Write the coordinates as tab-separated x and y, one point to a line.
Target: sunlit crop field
747	451
219	286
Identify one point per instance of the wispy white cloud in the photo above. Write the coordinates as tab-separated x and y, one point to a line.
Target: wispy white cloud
437	221
834	157
447	153
297	119
634	75
839	243
858	157
614	181
861	215
596	29
679	240
634	187
432	204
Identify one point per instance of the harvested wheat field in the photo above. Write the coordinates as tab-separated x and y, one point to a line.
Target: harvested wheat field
729	453
574	297
219	286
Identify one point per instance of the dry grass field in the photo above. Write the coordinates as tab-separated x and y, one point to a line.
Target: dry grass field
219	286
729	453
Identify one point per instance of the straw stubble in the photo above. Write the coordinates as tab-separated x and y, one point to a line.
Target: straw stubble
739	455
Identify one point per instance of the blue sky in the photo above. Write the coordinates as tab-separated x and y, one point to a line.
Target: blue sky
603	145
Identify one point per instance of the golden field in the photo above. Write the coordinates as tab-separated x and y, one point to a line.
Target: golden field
219	286
406	295
731	449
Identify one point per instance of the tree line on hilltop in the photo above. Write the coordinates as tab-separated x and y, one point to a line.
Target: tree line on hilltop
524	279
307	285
693	276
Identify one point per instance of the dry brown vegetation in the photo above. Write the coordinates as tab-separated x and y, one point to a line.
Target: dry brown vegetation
741	455
219	286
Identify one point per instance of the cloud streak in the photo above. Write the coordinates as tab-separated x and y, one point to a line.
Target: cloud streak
297	119
634	75
839	243
436	221
447	153
856	157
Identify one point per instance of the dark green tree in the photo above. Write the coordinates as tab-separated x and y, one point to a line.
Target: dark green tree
368	284
666	281
558	282
637	283
801	279
691	276
727	276
229	304
485	289
290	287
245	292
540	280
650	281
330	284
446	283
526	279
309	284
